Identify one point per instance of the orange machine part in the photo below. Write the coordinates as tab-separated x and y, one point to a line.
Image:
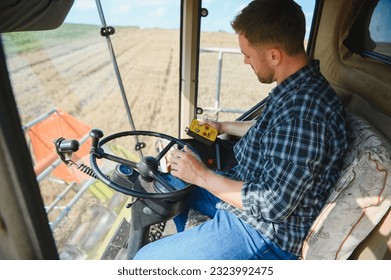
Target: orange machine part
43	135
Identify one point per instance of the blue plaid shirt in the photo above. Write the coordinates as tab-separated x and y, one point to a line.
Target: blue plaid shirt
290	158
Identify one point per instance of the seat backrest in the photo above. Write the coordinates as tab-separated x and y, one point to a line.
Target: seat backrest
360	201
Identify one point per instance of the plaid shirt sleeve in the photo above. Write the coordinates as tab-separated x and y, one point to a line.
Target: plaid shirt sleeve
291	153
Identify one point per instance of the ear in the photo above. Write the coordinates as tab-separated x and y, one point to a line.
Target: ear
274	57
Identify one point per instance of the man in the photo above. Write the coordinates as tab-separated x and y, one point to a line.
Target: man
288	159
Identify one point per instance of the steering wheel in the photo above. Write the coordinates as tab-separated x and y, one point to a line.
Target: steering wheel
147	168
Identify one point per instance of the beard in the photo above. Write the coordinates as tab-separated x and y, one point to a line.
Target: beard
267	77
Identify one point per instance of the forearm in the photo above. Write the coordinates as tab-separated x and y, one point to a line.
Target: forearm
236	128
186	166
228	190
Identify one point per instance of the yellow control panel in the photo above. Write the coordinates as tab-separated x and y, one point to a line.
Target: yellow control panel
203	133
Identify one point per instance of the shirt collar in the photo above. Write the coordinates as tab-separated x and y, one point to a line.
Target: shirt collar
295	79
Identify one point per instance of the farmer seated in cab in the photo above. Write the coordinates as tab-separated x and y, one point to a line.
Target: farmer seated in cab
288	159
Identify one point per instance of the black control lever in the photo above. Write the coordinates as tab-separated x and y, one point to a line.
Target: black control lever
96	134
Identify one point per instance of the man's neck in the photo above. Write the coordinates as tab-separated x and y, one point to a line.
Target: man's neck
289	66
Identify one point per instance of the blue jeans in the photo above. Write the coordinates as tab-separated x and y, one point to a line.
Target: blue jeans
225	237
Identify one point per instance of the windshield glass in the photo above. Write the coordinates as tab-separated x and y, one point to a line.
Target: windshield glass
65	84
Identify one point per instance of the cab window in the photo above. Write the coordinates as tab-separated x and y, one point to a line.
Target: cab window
370	36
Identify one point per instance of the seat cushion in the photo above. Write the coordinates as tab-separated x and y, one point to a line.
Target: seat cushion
361	198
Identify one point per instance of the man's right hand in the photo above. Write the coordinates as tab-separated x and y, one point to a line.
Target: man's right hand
235	128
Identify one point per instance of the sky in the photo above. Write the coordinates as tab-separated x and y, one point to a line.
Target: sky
162	13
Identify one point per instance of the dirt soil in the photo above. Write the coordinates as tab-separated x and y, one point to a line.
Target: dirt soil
78	77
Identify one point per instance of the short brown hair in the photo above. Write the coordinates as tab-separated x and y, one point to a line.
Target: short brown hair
279	22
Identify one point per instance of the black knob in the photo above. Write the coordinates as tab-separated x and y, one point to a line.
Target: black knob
95	134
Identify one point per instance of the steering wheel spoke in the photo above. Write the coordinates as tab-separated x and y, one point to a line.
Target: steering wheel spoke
165	150
159	179
120	160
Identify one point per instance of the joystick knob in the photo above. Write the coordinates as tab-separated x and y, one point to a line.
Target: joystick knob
95	134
